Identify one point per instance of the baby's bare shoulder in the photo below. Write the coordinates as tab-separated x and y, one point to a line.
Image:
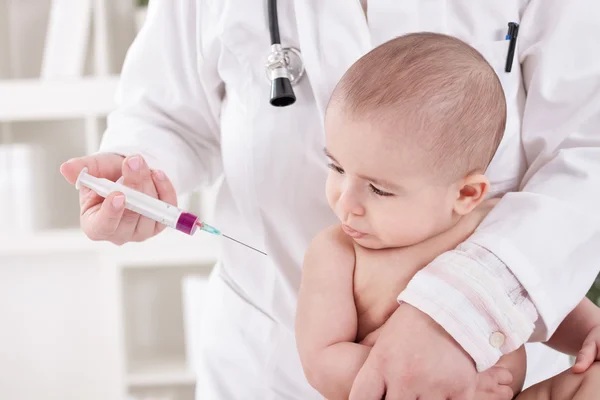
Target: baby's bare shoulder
331	244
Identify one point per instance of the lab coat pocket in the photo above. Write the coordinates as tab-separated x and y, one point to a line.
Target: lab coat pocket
236	332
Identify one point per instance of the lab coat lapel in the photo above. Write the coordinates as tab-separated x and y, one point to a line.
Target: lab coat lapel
333	34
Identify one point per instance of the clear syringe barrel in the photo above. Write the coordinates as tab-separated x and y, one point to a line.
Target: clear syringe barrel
141	203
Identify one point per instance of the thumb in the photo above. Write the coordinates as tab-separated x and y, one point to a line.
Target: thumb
585	357
368	385
105	165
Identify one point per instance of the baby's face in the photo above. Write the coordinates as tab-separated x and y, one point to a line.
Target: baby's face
377	189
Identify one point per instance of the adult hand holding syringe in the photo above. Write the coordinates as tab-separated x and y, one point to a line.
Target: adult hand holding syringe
115	211
108	219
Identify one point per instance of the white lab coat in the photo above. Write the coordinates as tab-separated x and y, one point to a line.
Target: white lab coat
194	101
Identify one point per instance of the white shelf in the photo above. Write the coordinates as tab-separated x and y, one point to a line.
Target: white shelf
37	99
161	373
169	247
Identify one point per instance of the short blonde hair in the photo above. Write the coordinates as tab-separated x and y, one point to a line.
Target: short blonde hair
439	83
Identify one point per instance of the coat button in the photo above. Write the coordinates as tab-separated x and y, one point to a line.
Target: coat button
497	339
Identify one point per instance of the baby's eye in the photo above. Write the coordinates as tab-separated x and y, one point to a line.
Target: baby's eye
379	192
335	168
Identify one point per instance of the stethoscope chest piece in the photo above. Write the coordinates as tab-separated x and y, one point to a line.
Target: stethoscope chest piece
284	68
284	65
288	58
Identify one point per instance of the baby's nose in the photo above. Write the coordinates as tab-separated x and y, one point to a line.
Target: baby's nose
349	204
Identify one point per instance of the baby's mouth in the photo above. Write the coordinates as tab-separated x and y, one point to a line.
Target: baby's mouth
352	232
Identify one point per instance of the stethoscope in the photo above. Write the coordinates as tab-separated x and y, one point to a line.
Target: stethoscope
284	65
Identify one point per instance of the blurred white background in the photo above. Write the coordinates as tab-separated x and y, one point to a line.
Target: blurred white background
80	319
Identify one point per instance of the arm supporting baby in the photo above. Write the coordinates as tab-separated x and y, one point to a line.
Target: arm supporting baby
579	334
572	332
326	319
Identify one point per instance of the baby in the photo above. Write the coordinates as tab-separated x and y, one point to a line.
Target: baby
410	131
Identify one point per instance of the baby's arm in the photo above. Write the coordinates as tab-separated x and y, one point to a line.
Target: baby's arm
326	320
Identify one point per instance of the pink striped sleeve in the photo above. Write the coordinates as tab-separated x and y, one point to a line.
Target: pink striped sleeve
478	301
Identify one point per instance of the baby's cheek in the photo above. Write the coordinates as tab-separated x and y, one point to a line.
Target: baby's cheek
409	231
396	232
330	193
415	236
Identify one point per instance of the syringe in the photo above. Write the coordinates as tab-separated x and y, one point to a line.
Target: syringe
150	207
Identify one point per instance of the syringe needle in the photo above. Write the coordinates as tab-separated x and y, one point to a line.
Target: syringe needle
211	229
230	238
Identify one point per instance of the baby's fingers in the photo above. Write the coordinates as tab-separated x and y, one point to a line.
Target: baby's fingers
502	392
585	357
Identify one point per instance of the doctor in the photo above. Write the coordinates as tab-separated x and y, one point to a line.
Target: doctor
194	102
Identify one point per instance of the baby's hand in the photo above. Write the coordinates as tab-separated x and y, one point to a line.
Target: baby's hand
493	384
372	337
590	351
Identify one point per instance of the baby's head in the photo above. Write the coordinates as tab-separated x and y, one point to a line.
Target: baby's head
410	130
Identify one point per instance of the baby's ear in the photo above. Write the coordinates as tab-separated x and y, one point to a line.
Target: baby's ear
472	191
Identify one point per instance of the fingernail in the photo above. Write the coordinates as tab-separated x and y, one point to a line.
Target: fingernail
134	163
158	174
118	201
85	190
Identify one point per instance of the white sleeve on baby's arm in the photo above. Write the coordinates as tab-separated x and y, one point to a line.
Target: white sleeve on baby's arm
478	301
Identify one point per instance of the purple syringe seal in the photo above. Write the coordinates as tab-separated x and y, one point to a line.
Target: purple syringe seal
186	223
